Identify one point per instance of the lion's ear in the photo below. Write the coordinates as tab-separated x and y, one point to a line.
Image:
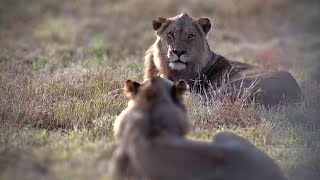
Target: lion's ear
181	87
205	24
156	23
131	88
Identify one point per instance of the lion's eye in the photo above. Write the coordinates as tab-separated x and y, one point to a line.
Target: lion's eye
171	35
190	36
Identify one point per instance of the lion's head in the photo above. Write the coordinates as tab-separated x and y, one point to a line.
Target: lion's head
157	99
181	42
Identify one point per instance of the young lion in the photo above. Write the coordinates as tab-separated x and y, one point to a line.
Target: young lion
149	148
181	51
157	100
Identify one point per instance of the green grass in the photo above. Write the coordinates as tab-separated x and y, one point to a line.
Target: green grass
63	64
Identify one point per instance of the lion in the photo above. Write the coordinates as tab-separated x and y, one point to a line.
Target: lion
158	99
167	96
181	51
148	149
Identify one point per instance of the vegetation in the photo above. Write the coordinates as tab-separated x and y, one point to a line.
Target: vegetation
63	64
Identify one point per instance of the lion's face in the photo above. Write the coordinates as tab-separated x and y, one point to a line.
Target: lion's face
182	39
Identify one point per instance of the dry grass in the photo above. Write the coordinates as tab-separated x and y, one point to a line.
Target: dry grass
63	64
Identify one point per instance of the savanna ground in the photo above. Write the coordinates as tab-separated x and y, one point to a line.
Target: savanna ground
63	64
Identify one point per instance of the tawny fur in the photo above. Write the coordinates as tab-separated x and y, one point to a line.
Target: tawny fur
167	96
150	147
157	100
270	88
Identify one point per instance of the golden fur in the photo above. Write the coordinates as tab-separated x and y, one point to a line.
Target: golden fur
157	100
150	146
181	51
167	96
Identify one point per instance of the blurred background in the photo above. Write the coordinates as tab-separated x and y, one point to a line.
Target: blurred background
62	63
268	32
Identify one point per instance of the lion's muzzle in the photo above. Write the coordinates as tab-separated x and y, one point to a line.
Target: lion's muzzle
177	59
178	65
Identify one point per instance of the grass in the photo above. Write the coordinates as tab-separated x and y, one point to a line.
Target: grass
62	68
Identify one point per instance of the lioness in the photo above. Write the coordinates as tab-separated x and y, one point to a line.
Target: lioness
161	97
157	99
181	51
153	151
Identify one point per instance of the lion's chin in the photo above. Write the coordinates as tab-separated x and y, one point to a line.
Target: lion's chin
177	65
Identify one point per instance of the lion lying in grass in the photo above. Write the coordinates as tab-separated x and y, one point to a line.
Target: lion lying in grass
150	142
181	51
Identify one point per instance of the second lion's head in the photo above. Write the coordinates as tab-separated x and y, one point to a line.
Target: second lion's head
181	41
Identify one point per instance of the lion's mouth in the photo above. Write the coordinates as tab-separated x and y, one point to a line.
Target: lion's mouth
179	61
178	65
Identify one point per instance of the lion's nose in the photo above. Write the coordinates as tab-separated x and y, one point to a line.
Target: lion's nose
178	53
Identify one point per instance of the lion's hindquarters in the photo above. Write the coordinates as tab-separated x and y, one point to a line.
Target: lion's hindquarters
266	88
247	158
279	88
176	158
